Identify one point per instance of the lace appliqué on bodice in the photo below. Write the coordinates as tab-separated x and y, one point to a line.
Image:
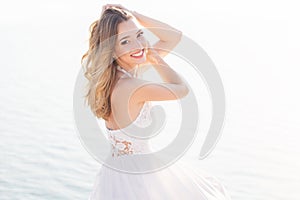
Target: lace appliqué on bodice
120	146
123	144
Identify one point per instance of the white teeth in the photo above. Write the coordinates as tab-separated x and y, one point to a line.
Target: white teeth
138	54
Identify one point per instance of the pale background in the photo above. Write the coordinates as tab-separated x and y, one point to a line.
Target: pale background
254	45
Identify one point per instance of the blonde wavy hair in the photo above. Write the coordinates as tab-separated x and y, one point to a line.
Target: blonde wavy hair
98	62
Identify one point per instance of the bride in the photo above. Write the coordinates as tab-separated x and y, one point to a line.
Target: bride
118	53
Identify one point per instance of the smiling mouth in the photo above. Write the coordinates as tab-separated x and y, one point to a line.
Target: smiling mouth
138	54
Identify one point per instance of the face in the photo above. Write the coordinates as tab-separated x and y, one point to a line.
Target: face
130	45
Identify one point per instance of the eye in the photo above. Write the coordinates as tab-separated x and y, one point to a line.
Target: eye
140	34
124	42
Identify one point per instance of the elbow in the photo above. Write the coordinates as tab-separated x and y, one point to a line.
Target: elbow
178	36
186	91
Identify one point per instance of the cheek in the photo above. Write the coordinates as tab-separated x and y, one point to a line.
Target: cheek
123	51
124	54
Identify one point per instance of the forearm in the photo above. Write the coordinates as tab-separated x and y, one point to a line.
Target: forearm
167	74
162	30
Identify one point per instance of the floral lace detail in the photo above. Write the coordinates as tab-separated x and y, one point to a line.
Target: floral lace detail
122	144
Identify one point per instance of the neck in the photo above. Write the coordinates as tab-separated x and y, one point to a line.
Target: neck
125	66
132	72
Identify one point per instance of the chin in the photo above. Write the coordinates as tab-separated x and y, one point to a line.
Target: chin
140	61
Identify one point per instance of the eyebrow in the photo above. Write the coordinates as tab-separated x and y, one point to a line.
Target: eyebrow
129	36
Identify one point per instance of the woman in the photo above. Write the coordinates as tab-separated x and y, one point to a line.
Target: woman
118	53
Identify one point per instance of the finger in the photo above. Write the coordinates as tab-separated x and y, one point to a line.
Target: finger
103	9
114	5
117	6
106	7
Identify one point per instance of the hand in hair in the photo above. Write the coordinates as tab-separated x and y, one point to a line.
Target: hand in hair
118	6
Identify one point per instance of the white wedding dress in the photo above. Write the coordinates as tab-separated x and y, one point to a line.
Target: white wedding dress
175	182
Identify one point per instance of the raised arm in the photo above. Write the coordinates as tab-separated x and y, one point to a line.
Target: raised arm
168	36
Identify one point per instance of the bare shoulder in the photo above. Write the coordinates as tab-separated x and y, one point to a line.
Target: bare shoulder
123	104
124	89
137	91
